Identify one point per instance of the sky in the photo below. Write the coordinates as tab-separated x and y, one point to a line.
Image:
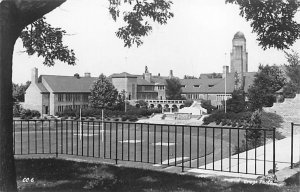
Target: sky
198	39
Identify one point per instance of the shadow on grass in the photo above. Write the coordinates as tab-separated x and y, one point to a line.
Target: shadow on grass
63	175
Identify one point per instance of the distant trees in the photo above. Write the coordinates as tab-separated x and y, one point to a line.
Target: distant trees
189	77
214	75
19	91
267	81
173	89
292	69
103	93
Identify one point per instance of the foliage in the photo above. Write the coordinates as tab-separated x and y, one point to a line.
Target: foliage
206	104
188	103
19	91
103	93
142	104
254	135
272	21
267	81
189	77
292	70
214	75
241	119
17	108
136	24
46	41
290	90
132	113
237	103
29	114
173	89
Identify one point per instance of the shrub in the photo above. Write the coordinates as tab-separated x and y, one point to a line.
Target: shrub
17	108
29	114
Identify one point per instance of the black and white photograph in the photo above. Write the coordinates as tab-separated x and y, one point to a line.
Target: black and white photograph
149	95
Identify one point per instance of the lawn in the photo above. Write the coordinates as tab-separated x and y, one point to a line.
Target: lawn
63	175
126	141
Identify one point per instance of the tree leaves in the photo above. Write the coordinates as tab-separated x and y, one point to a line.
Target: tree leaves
103	93
46	41
267	81
173	89
272	21
137	26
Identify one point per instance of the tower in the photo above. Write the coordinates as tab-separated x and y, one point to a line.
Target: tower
239	55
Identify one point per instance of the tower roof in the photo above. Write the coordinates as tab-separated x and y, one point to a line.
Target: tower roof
239	35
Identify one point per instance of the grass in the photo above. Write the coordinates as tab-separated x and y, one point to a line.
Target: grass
63	175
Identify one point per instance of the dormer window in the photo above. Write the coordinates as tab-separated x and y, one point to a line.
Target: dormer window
196	85
182	86
210	85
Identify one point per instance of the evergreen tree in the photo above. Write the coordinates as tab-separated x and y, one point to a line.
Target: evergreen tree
173	89
237	103
103	93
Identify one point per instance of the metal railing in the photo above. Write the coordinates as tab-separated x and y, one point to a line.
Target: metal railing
202	147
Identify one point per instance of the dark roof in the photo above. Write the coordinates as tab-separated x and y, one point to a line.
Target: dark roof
215	86
41	87
204	85
122	75
69	84
141	81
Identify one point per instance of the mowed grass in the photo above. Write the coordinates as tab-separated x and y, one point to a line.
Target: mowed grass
63	175
148	143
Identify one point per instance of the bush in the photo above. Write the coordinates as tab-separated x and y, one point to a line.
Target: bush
29	114
17	108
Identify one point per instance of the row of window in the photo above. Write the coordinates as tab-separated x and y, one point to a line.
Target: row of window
72	97
61	108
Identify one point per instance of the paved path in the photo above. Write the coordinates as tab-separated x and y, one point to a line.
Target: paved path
282	158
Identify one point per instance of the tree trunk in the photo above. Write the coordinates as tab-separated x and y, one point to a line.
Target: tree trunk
14	16
9	32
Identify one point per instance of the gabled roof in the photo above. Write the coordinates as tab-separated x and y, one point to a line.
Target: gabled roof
204	85
220	87
41	87
215	85
122	75
69	84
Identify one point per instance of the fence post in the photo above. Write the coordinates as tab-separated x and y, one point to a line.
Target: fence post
292	144
182	150
56	137
116	143
274	165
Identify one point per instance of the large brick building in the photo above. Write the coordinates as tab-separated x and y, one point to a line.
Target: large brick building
50	93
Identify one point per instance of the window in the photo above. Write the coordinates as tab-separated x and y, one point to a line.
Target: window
210	85
149	88
77	97
196	85
85	97
60	97
68	97
161	87
182	85
60	108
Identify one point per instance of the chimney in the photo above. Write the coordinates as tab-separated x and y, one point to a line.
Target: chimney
87	74
76	75
171	74
34	75
148	77
158	74
225	71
